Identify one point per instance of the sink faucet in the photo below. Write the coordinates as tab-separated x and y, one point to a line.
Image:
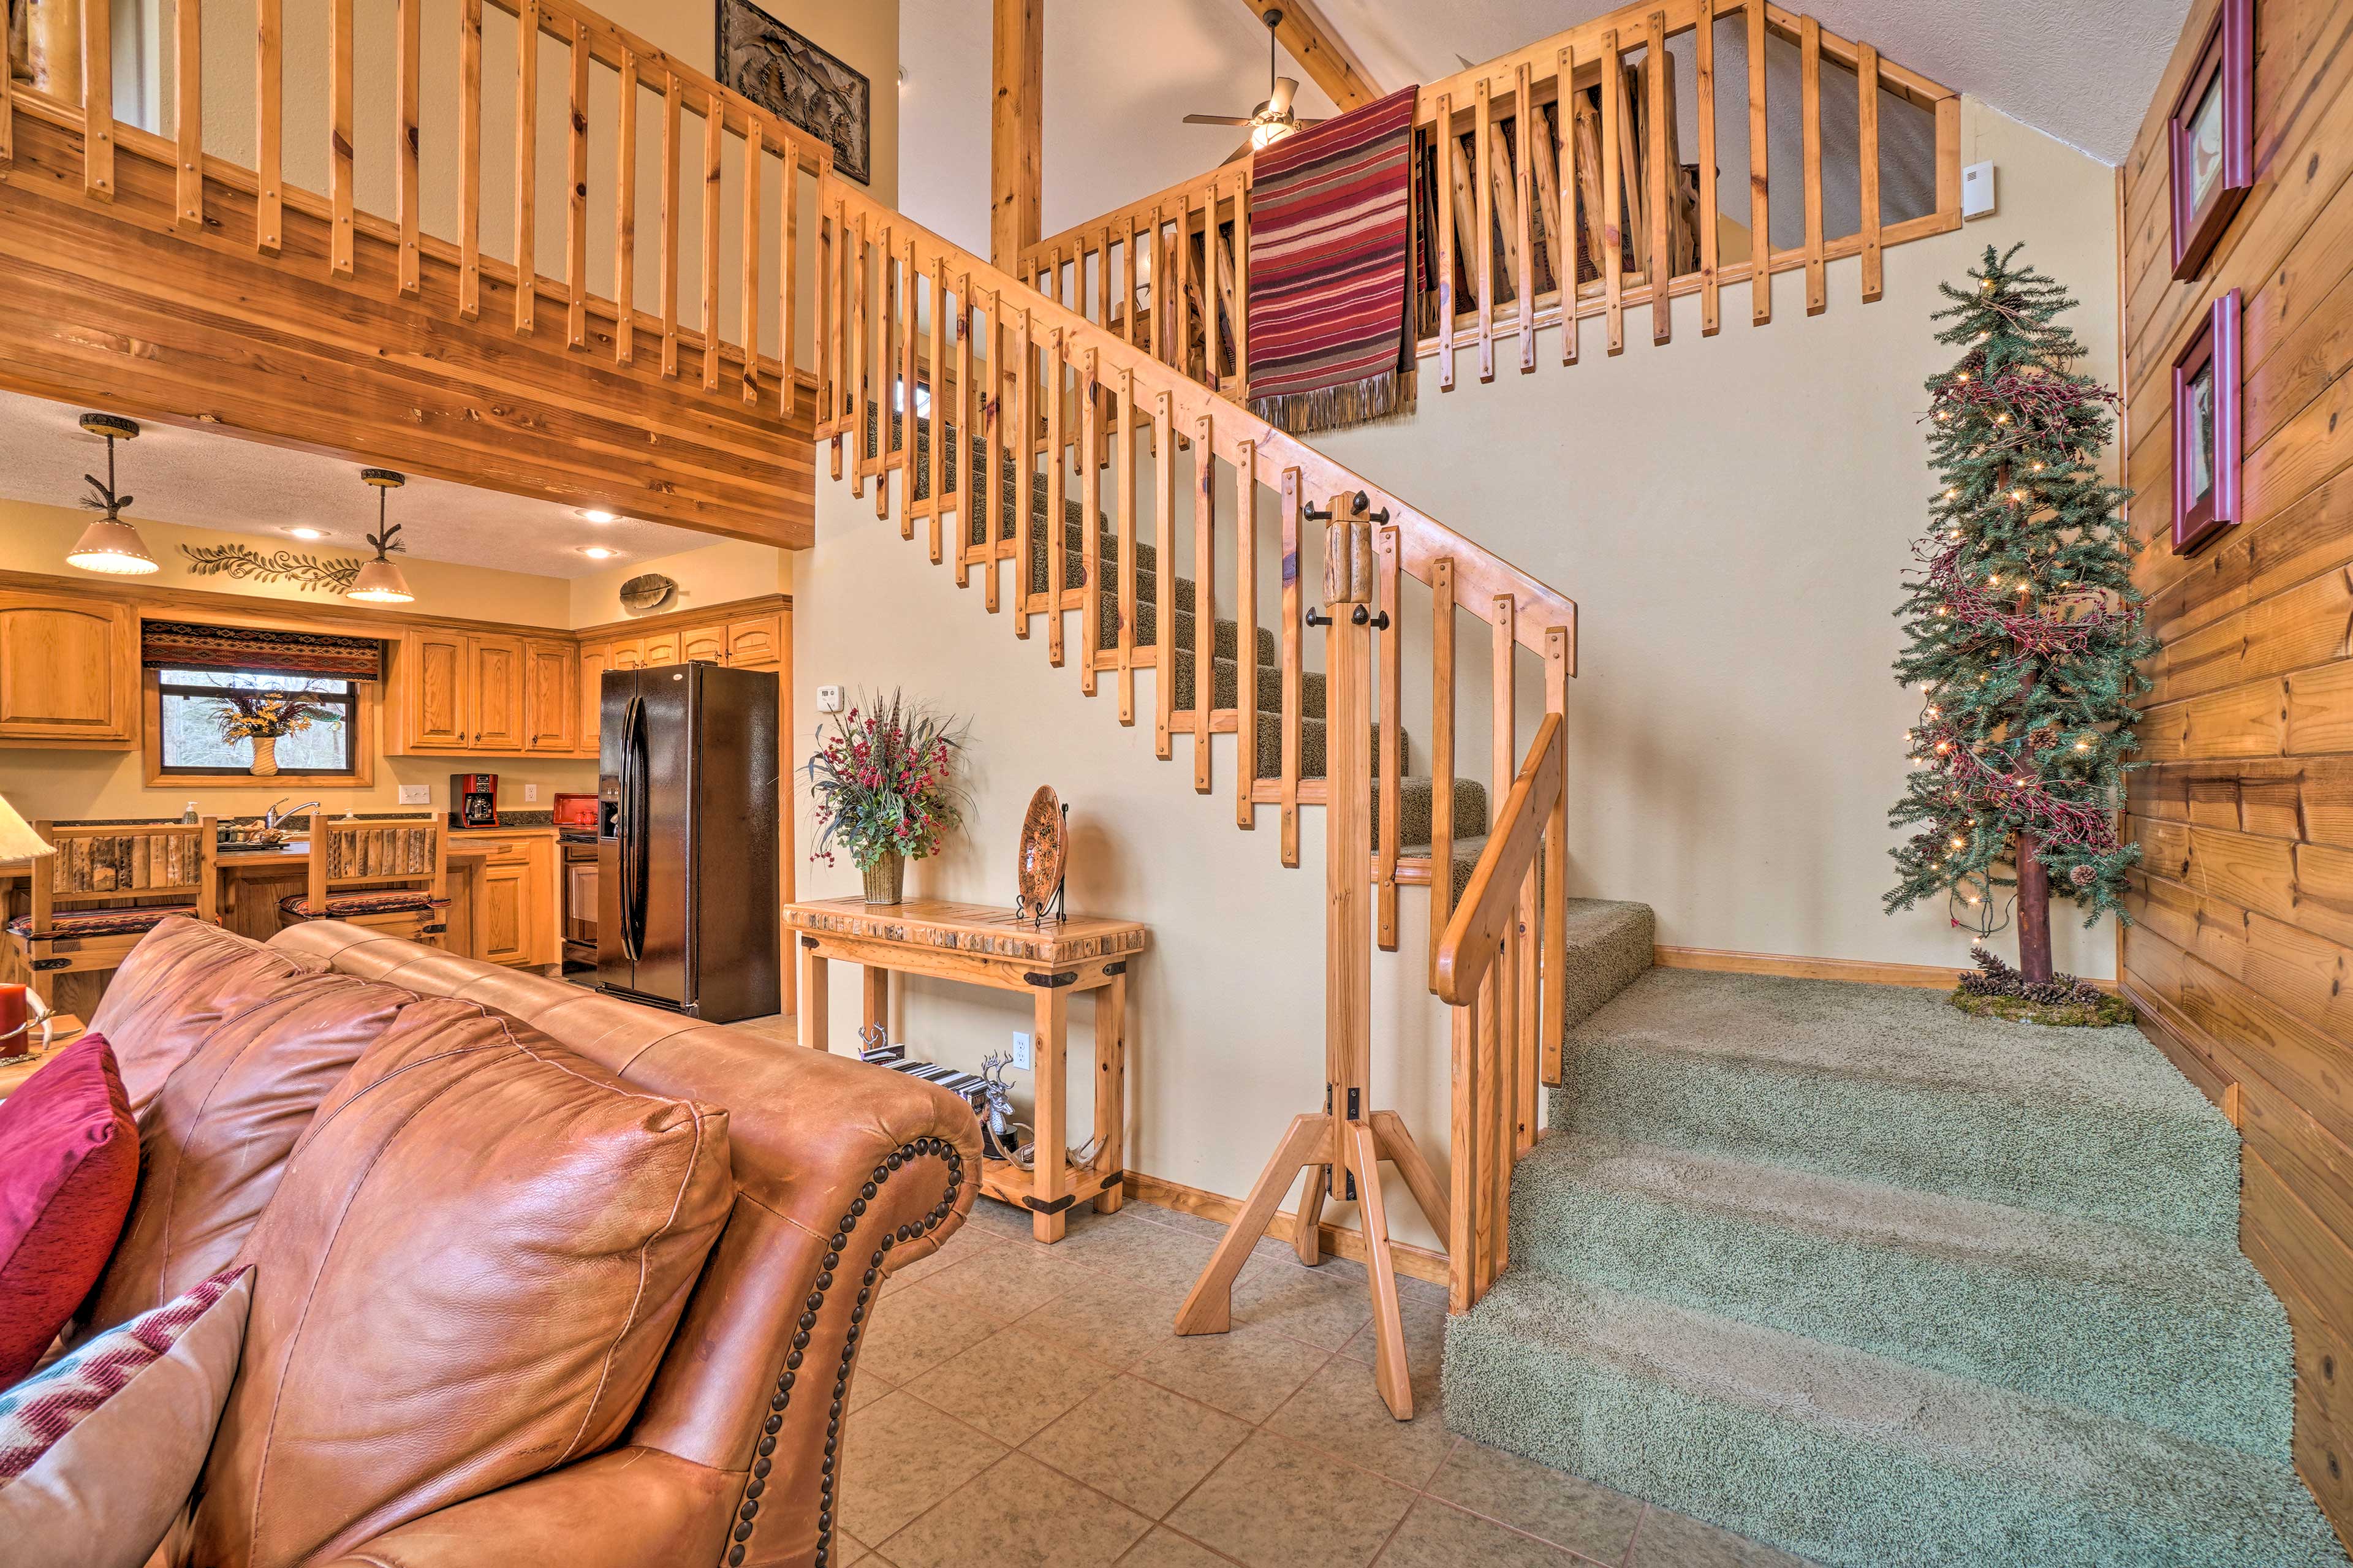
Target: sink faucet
273	816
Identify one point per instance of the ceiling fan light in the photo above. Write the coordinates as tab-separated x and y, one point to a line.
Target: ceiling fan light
1268	132
111	545
379	583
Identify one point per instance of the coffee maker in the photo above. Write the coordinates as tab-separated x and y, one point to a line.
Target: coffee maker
473	800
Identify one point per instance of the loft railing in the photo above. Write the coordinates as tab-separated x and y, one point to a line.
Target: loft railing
1040	407
1582	194
736	141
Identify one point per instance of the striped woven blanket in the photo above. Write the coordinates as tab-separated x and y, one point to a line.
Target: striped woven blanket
1331	240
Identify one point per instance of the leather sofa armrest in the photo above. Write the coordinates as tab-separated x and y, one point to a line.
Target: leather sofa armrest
628	1507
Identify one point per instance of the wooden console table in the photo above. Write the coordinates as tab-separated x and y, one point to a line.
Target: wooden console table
981	946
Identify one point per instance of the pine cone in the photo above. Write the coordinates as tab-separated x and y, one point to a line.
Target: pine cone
2083	876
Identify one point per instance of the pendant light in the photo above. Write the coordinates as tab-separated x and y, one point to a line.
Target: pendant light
110	544
379	580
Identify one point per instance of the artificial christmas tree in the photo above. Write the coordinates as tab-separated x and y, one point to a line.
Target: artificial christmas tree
2025	629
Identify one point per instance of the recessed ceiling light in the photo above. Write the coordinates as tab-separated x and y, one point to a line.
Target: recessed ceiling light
306	532
599	552
594	516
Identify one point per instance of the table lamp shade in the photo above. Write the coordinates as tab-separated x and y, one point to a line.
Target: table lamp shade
18	842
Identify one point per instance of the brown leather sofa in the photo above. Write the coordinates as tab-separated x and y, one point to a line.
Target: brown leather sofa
835	1173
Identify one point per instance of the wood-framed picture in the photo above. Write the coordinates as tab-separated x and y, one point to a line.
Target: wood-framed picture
790	76
2206	430
2211	137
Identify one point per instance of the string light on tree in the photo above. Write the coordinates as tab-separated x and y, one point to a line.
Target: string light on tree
2024	583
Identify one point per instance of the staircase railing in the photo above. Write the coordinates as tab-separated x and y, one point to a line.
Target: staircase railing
1492	952
1568	186
1028	391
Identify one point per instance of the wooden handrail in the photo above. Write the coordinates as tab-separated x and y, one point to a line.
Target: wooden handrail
1490	906
1602	177
1482	575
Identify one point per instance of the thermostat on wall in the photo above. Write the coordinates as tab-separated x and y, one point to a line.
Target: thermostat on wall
1976	190
828	698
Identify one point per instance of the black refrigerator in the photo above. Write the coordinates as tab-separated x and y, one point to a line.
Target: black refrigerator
686	839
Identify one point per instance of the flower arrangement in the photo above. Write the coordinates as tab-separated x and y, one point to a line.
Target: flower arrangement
887	784
267	715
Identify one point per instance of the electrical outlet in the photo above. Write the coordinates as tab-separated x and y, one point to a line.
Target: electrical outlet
1022	1057
416	794
828	698
530	793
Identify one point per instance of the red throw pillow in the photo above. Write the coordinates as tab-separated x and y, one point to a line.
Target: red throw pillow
71	1162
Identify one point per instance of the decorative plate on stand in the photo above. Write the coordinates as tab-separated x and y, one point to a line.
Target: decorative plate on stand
1045	844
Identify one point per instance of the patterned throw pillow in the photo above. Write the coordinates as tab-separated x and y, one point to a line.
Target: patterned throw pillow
69	1167
100	1449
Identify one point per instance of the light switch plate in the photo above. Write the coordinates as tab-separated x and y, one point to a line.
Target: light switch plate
530	793
1024	1057
416	794
1976	191
828	698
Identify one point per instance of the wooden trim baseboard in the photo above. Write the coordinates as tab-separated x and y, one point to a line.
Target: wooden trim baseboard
1856	971
2180	1040
1419	1262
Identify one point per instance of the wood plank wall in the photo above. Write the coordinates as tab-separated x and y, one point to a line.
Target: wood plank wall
2243	956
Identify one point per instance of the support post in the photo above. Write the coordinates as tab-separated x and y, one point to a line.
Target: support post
1016	118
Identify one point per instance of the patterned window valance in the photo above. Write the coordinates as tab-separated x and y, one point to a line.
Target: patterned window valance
184	644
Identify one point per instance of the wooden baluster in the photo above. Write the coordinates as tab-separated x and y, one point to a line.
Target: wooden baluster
1389	638
963	494
889	328
1091	415
1240	260
339	137
1102	279
1123	476
1487	1150
1180	297
1711	312
625	216
990	410
1464	1286
1483	143
527	299
1866	83
1246	634
756	155
935	477
1441	755
1810	77
1023	546
1505	768
828	400
1524	1061
1523	114
98	99
862	360
575	196
835	304
188	98
1058	530
909	271
788	266
1545	148
714	134
1220	318
1205	583
269	130
1132	281
1760	214
1164	574
1448	151
1658	135
1613	221
671	151
1552	1024
1159	283
1291	668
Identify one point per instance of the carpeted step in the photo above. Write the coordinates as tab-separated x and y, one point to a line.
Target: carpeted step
1226	682
1224	640
1311	748
1415	796
1893	1085
1847	1458
2117	1320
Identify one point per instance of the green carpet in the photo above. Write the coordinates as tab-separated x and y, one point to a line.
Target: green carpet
1844	1271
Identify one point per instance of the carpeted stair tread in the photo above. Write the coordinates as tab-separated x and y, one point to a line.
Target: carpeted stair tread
1848	1458
2116	1319
1893	1085
1226	682
1224	642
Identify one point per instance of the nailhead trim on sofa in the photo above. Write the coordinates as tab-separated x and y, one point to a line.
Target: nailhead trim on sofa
748	1511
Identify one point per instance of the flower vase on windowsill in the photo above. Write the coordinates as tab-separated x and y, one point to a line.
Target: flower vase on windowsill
886	784
265	756
263	718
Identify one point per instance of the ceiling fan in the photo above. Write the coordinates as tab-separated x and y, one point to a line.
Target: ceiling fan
1272	119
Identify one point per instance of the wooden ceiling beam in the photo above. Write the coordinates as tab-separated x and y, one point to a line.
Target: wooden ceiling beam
1309	38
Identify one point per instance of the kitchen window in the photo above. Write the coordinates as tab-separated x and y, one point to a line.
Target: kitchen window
190	706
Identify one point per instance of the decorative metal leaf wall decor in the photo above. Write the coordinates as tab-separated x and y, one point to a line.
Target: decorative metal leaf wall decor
309	572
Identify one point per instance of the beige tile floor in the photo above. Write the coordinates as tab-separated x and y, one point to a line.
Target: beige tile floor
1019	1405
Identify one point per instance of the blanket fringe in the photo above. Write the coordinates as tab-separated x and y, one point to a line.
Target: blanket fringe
1386	396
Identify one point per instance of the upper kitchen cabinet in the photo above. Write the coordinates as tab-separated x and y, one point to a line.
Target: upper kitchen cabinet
68	671
551	704
748	634
459	693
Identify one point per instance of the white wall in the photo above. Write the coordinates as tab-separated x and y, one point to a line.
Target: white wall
1733	514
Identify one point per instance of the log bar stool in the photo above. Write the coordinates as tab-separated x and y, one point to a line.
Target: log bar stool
108	885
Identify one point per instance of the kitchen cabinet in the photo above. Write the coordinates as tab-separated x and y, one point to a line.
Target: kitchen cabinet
594	663
551	704
748	638
503	899
68	671
458	693
753	644
662	648
708	644
495	669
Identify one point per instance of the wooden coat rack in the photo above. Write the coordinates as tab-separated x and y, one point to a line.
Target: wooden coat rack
1341	1145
